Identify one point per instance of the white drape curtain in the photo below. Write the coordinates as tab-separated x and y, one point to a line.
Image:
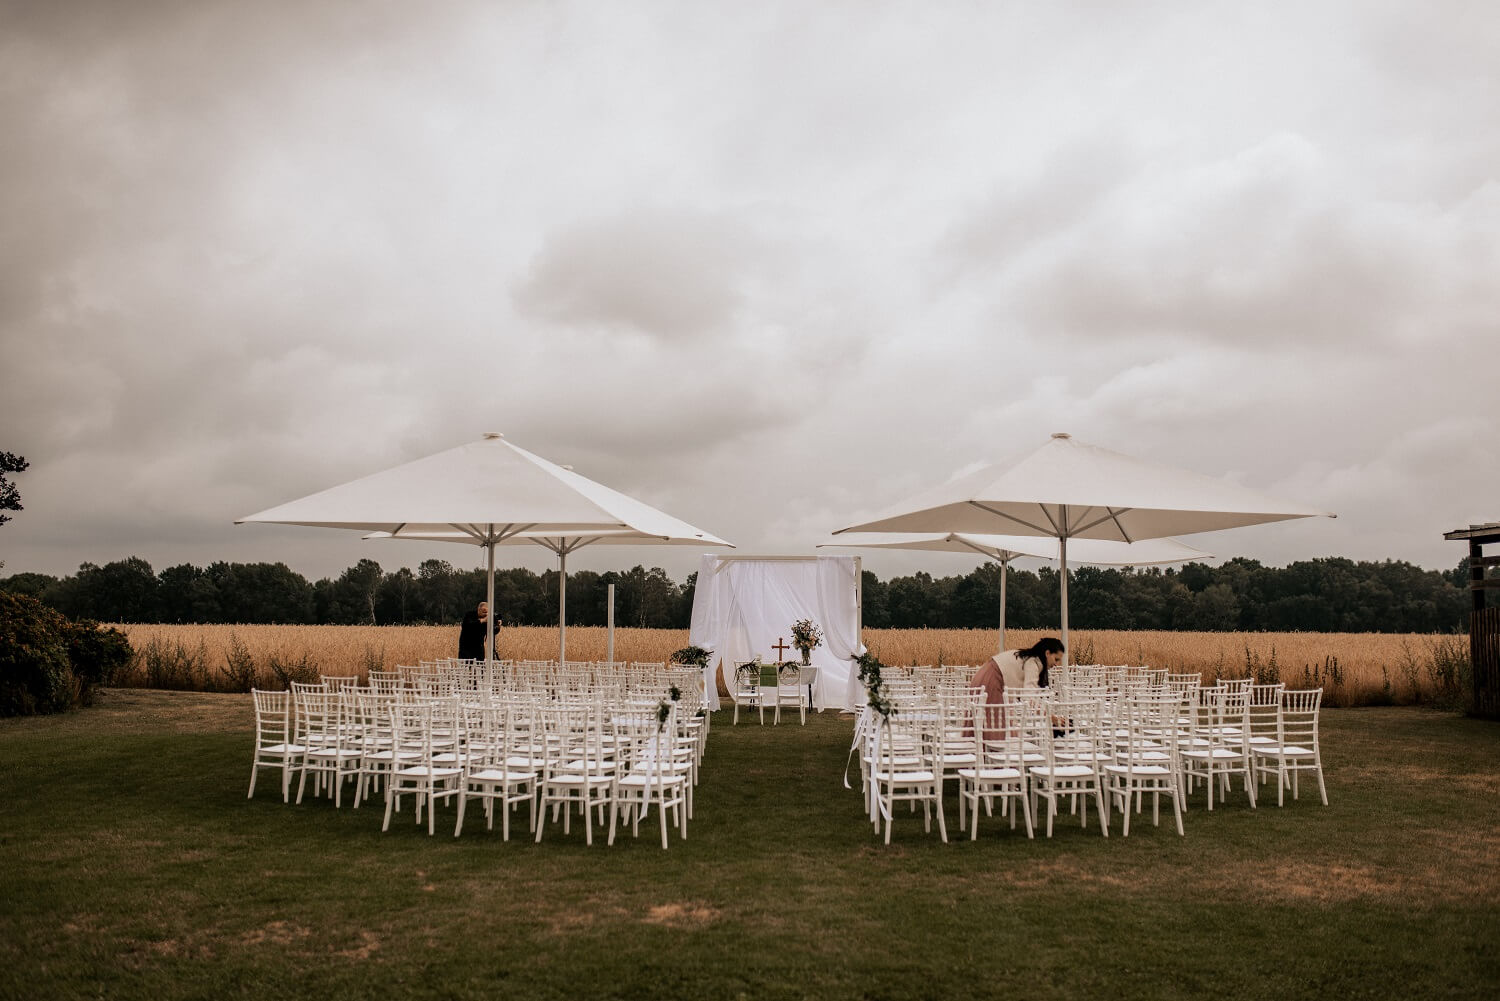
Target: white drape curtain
741	607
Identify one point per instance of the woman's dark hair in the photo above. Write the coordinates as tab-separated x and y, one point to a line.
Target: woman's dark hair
1038	651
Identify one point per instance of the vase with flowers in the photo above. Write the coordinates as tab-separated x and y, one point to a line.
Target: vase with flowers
806	636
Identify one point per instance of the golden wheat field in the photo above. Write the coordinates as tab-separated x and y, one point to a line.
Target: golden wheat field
1355	667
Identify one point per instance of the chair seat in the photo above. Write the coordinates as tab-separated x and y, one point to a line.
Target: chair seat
284	749
1288	751
580	780
425	771
642	780
1215	753
339	753
899	761
390	755
990	774
1063	771
1147	770
498	775
904	777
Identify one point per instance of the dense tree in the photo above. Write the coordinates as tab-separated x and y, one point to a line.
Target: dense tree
33	585
877	613
10	495
1328	594
122	591
350	600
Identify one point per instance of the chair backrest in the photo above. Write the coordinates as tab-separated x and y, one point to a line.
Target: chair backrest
1149	731
1299	717
272	716
1263	711
319	716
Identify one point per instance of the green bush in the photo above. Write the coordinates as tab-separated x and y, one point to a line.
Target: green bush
96	654
48	663
694	655
35	676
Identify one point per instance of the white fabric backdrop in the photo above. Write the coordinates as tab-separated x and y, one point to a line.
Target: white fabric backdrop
742	606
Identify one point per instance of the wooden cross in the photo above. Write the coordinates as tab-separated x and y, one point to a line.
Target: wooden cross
781	648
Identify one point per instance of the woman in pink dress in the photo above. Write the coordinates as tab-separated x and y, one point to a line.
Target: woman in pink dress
1014	670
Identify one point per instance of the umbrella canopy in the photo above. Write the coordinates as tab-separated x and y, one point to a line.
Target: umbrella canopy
486	491
1069	490
1004	548
562	543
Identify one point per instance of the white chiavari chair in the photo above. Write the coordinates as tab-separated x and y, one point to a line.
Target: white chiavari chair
1072	738
1146	760
908	767
502	767
579	767
999	769
1296	749
412	729
1221	749
329	757
274	747
649	773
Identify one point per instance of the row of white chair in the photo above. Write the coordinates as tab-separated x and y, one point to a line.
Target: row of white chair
768	686
1109	747
590	751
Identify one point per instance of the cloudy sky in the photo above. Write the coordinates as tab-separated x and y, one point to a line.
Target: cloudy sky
769	266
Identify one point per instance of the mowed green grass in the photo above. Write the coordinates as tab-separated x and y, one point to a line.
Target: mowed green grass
132	866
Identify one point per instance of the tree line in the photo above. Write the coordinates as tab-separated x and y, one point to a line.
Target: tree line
364	594
1323	595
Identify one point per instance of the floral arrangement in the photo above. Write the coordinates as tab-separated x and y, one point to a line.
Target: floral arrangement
806	635
786	667
694	655
870	675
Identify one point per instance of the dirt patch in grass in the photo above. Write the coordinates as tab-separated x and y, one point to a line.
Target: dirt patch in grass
370	944
682	915
278	933
1328	884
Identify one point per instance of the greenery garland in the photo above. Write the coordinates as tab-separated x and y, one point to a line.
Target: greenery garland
869	674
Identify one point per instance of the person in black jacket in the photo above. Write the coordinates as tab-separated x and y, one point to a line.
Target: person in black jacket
471	632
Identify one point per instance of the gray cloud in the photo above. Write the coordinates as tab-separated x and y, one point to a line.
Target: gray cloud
668	274
764	266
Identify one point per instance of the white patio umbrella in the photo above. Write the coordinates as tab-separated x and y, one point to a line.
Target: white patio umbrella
1005	548
486	491
1069	490
564	543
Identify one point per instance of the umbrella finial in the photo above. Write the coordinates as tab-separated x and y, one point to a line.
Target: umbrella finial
1061	434
493	434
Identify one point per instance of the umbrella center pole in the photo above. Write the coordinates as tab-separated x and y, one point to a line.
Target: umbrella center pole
610	656
562	608
1062	560
1004	572
489	625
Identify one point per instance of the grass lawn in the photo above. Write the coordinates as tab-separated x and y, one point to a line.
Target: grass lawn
132	866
